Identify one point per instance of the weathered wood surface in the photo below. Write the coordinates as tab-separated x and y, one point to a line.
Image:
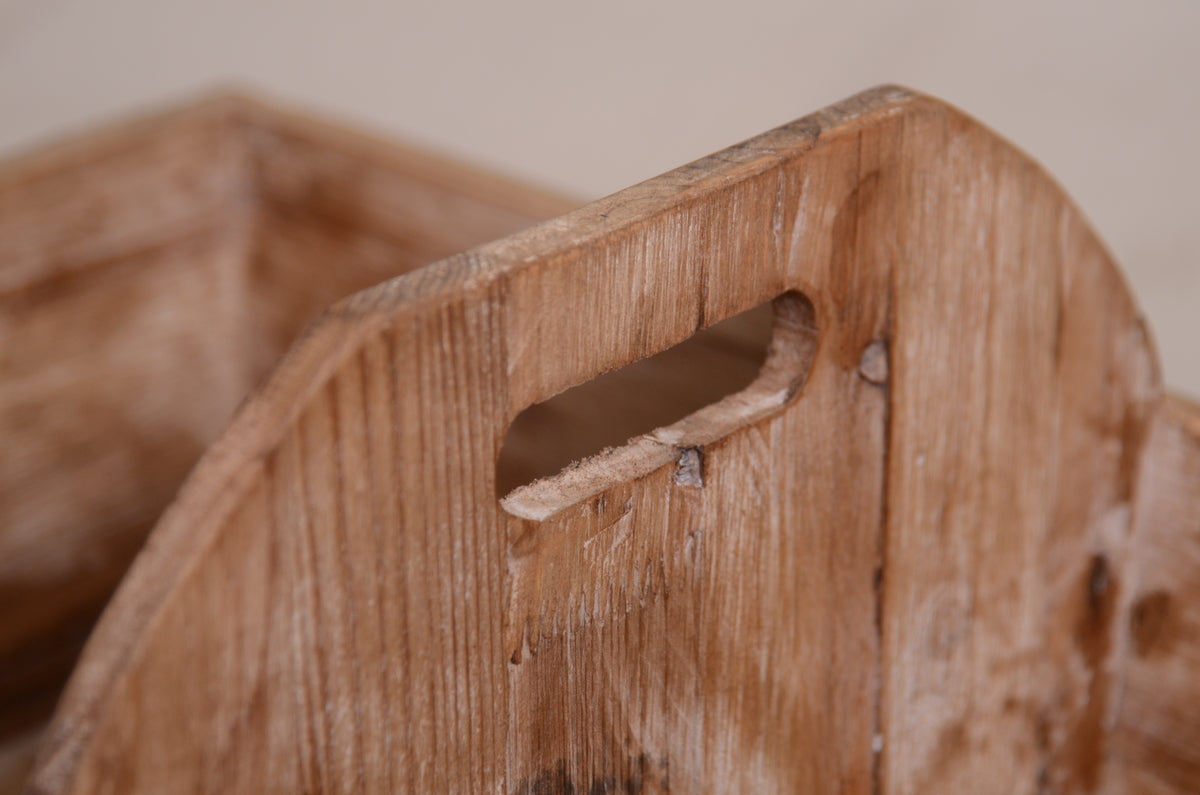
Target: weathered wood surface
149	277
913	557
1156	743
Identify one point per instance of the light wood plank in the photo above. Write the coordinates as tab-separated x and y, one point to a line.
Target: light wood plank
913	575
150	276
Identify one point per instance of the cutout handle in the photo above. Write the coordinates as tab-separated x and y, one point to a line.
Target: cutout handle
626	423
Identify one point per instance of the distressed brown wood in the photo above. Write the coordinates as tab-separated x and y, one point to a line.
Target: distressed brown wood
149	277
940	544
1156	744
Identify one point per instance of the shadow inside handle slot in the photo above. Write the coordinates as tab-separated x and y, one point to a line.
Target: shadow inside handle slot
658	391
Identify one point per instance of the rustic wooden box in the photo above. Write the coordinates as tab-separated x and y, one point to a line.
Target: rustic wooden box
150	275
943	536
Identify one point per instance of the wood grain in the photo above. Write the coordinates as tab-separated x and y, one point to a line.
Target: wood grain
151	275
1156	739
919	570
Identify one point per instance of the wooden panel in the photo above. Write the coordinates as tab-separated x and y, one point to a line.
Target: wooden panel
111	386
143	293
911	576
654	655
1022	383
117	363
338	212
1156	742
140	186
305	645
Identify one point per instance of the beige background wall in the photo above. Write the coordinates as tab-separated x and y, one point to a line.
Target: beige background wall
589	97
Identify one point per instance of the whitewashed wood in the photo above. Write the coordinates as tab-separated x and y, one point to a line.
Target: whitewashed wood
911	576
150	276
1156	742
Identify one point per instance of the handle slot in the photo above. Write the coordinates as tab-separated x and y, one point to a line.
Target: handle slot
627	422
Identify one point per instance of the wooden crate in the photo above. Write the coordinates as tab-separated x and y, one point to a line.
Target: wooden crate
941	534
150	276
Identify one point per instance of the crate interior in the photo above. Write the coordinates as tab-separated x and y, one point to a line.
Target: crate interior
150	276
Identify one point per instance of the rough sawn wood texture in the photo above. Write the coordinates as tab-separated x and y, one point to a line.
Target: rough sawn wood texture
923	552
150	276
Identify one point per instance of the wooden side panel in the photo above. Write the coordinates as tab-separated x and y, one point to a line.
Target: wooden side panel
1156	740
356	651
119	281
654	647
1017	415
149	278
912	578
338	212
110	389
84	204
1108	391
679	632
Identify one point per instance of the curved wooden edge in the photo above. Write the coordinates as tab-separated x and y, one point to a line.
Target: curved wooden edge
1156	746
73	150
194	523
128	213
212	130
238	106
